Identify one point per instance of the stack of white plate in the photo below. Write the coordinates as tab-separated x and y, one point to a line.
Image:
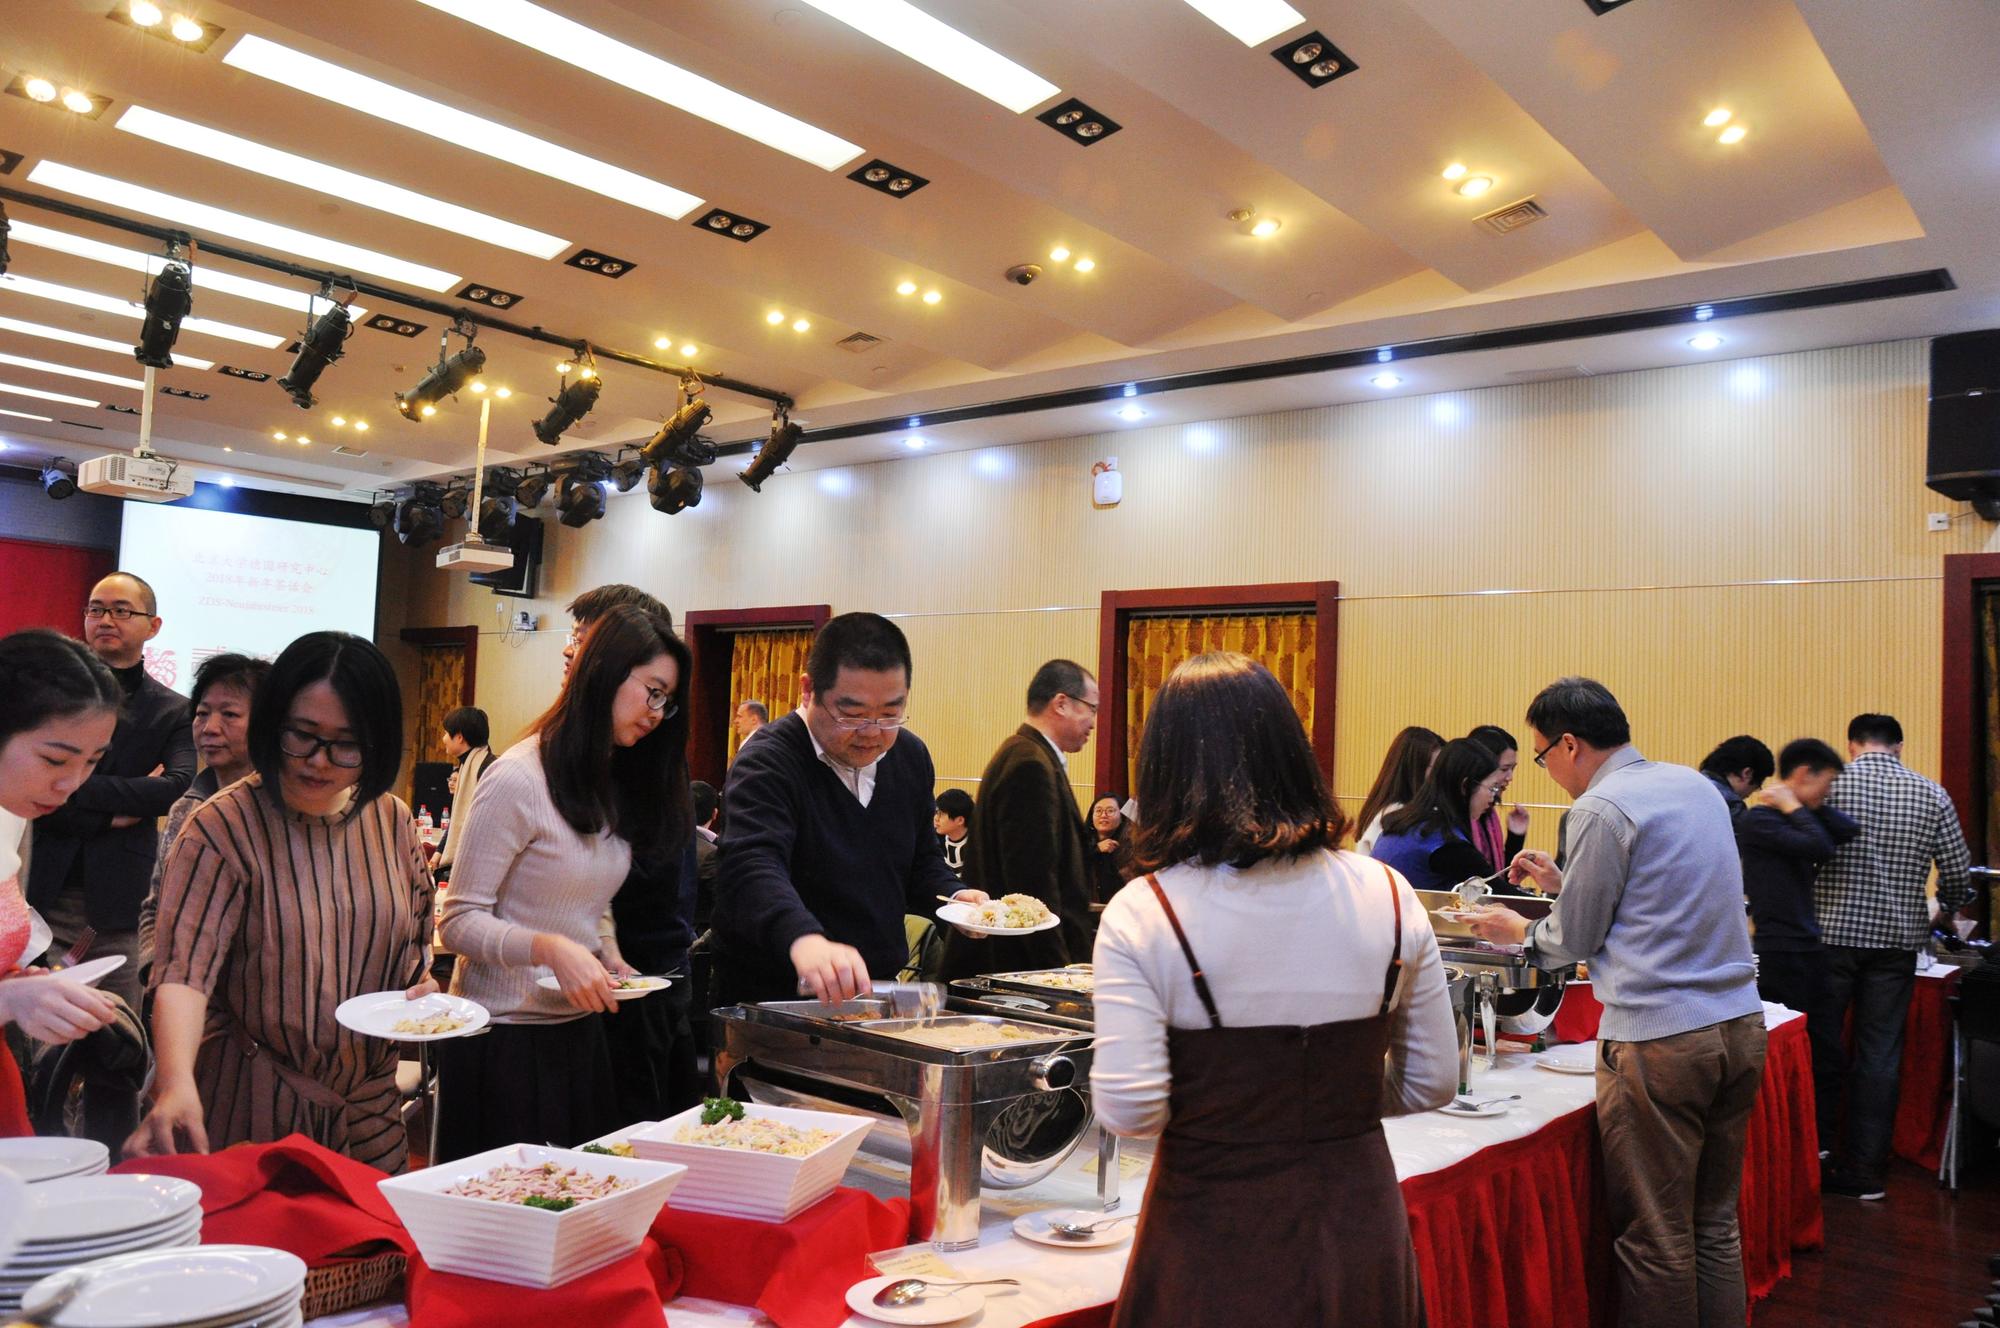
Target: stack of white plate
34	1159
86	1218
215	1286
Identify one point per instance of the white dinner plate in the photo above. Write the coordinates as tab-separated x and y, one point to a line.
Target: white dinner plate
91	970
938	1306
1580	1058
1462	1107
13	1213
641	986
961	915
1458	914
377	1014
40	1159
1035	1227
173	1287
86	1208
46	1255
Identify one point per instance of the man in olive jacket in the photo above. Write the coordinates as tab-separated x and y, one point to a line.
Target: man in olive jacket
1029	837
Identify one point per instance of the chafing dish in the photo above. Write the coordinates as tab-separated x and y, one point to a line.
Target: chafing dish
1005	1114
1030	994
1502	991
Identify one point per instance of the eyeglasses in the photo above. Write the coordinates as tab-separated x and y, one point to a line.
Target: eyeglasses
301	746
848	725
1090	705
1542	757
117	611
657	700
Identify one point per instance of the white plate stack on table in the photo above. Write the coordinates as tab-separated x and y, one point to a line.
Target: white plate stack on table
35	1160
742	1182
214	1286
86	1218
510	1241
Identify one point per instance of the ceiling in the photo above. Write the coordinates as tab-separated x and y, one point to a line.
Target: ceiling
1872	149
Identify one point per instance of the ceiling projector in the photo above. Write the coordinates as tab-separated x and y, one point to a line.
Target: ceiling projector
146	476
476	555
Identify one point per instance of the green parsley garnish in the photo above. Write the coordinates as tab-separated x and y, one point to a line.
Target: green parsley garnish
553	1205
714	1110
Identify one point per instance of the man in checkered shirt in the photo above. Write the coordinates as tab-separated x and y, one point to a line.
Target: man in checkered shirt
1874	918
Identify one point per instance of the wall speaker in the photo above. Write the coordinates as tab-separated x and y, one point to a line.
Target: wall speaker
1964	452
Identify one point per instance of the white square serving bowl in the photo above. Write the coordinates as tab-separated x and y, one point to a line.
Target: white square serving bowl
742	1183
526	1246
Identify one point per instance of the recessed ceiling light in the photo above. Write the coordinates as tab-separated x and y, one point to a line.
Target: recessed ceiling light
339	421
38	88
281	436
915	443
659	343
775	317
1059	254
1706	341
28	329
1082	124
1474	186
800	325
63	397
1385	381
906	288
109	304
689	350
1265	227
937	45
80	102
933	296
1086	265
227	448
186	29
144	13
304	441
208	278
1316	61
67	371
233	150
227	482
1131	412
24	415
168	207
1716	118
1455	171
361	426
1252	22
1734	134
646	74
461	129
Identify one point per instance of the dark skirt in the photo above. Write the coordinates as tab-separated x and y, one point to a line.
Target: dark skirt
525	1084
653	1056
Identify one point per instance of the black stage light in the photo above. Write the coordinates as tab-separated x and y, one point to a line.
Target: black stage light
775	452
420	517
454	502
382	513
324	342
5	227
580	496
674	489
445	379
679	442
627	473
496	508
59	478
534	488
571	403
168	301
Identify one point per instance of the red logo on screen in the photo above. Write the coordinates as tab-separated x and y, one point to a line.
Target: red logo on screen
161	667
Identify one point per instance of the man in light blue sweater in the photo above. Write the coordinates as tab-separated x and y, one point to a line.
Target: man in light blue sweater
1651	896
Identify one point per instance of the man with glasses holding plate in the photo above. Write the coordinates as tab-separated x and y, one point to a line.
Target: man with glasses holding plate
828	840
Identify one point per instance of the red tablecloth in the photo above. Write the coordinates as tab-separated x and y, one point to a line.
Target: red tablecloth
1924	1108
1517	1234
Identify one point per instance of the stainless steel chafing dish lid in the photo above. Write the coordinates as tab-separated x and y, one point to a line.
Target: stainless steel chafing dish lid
840	1023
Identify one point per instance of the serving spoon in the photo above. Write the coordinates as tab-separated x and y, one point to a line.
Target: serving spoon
1085	1230
910	1289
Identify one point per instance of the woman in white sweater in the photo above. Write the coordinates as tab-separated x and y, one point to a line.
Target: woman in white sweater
1262	1002
555	825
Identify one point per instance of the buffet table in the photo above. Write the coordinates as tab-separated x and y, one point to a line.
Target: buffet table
1506	1212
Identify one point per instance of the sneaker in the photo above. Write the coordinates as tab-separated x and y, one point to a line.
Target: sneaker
1825	1153
1854	1189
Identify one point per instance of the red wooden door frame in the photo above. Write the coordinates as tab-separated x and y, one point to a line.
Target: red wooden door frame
468	637
1962	730
708	633
1119	608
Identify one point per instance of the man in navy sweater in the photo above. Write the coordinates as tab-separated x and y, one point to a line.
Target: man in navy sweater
828	841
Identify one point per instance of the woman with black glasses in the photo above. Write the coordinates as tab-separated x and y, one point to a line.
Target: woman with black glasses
285	894
555	825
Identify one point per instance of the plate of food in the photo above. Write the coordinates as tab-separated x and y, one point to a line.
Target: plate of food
628	988
1577	1058
1009	915
1459	914
391	1015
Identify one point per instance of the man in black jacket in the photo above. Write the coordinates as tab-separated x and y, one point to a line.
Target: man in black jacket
1737	767
1029	837
93	859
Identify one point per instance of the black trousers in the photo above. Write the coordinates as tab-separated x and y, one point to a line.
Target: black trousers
1875	984
1798	980
653	1055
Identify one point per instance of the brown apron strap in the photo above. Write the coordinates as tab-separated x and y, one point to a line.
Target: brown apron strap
310	1090
1200	980
1394	977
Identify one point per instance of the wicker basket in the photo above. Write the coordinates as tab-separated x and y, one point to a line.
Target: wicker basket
351	1283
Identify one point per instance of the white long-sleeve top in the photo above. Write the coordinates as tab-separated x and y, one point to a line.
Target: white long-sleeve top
1282	943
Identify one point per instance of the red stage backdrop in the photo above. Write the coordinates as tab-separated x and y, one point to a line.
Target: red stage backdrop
47	585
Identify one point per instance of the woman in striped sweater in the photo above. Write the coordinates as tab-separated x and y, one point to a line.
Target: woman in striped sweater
285	894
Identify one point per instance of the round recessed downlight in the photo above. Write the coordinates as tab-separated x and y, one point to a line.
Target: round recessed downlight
503	392
1131	412
659	343
1308	53
689	350
916	444
1734	134
1069	117
429	411
1090	129
902	184
339	421
305	441
906	288
186	29
1266	227
1706	341
79	102
361	426
1455	171
1086	265
801	325
1716	118
1059	254
775	317
720	222
1474	186
39	89
876	174
742	230
1385	381
144	13
282	436
933	296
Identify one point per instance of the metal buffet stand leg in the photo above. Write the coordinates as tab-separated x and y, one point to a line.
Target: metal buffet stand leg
427	1077
1107	1169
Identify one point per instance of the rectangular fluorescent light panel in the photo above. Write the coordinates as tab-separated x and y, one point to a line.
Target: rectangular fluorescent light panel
647	74
46	366
231	150
188	212
1252	22
49	396
937	45
385	101
27	329
207	278
24	415
111	304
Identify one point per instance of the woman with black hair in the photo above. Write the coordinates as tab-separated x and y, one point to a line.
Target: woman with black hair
555	825
58	706
1107	832
1429	839
286	893
1263	1001
1403	771
1497	845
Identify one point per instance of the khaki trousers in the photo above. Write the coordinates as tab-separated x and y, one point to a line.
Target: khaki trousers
1673	1114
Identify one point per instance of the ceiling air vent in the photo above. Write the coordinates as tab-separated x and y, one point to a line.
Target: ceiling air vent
857	342
342	449
1503	221
1551	374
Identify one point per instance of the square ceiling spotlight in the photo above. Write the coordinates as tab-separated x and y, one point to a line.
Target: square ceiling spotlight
1079	122
187	392
891	180
402	327
166	23
9	160
252	375
739	228
498	299
1314	59
46	92
1602	7
604	265
122	410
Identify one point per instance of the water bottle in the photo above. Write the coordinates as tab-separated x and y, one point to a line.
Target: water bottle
423	820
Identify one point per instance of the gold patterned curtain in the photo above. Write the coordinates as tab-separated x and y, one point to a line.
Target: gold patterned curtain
1155	646
1989	660
765	666
440	685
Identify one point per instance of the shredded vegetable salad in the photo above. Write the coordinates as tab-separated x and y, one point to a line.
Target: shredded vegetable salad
758	1134
544	1185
